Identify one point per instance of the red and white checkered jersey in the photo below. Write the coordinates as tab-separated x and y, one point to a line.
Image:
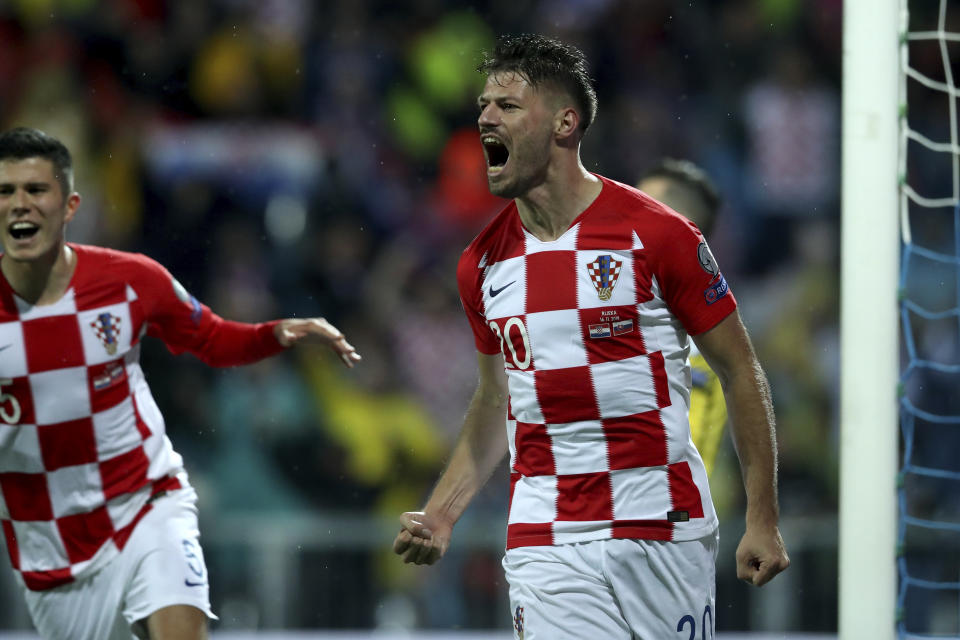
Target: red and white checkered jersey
593	327
82	442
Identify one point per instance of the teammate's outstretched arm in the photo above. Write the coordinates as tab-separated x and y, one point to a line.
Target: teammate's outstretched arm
316	331
761	554
425	535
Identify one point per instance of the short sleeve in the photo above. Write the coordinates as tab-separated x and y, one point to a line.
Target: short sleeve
691	281
470	286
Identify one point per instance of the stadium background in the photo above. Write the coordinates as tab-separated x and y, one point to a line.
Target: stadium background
288	157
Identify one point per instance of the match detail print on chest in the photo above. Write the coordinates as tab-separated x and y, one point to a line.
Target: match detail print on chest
541	306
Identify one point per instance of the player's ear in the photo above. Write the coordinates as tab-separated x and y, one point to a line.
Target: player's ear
566	122
72	204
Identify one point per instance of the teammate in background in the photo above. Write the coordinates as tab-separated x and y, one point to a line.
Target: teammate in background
99	518
687	189
581	294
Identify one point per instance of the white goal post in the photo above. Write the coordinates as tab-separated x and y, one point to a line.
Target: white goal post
870	250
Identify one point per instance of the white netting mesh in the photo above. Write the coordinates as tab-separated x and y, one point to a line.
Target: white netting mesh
929	479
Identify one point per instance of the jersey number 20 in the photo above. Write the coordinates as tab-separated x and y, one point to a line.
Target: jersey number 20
515	359
11	415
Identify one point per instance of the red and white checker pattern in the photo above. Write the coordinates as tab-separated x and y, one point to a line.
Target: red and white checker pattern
598	432
82	443
74	463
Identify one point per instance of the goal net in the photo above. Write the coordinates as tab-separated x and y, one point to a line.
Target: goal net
928	482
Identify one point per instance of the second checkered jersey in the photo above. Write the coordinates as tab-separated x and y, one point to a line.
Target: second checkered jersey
82	443
593	327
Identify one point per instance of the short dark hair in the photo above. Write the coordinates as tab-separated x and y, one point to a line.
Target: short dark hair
687	179
22	143
544	61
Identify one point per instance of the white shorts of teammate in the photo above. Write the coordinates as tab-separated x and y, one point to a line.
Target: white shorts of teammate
161	565
614	589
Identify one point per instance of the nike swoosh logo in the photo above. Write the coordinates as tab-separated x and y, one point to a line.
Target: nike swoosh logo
194	584
6	346
495	292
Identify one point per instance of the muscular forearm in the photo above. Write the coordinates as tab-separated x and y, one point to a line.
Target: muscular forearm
760	554
425	535
480	447
749	403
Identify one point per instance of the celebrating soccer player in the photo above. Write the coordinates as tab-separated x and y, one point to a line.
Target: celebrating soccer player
99	518
581	295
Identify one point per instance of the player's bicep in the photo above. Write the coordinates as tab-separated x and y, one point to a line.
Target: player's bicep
726	347
492	386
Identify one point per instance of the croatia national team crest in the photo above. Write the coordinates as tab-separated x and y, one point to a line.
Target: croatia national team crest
518	622
604	272
107	328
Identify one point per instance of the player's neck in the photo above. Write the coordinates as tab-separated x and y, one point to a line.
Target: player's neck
44	280
548	210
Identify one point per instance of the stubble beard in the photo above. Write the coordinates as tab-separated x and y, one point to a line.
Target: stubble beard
504	189
522	182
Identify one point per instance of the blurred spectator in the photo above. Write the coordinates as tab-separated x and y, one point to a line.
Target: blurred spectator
792	123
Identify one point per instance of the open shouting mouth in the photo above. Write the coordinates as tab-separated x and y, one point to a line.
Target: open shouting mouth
496	153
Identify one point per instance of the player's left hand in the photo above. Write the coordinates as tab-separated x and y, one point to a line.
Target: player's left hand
761	555
316	330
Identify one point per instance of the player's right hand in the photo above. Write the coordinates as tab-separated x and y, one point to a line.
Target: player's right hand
423	539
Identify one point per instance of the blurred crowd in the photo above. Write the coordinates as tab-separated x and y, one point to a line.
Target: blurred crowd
290	157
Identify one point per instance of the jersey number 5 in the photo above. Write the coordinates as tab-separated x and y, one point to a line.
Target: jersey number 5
11	416
519	354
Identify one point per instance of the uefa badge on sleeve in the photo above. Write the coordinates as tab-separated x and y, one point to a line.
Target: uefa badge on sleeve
705	257
604	272
184	296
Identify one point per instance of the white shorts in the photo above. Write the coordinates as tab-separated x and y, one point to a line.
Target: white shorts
613	589
161	565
